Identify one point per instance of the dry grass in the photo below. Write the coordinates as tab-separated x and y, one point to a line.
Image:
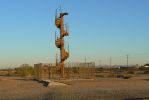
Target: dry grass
125	73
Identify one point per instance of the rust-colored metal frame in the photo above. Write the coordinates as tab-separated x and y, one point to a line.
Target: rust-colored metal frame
59	41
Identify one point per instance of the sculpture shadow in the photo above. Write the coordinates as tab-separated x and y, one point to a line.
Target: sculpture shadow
146	79
147	98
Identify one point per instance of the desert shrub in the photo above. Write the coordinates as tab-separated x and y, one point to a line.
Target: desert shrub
130	72
124	76
101	76
127	76
99	69
8	74
111	75
120	76
25	70
146	72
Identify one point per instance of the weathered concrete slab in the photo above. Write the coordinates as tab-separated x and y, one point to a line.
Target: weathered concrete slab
50	83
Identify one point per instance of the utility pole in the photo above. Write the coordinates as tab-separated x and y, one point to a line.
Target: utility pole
110	61
59	41
127	59
85	60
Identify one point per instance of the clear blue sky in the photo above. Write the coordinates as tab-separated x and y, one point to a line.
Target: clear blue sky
99	29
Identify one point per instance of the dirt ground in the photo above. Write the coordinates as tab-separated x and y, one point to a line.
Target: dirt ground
15	88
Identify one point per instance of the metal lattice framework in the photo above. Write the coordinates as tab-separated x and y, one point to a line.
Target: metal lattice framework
59	41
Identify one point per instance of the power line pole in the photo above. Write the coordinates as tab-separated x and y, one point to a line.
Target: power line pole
127	59
85	60
110	61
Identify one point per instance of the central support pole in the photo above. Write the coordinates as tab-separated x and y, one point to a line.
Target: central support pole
59	22
62	50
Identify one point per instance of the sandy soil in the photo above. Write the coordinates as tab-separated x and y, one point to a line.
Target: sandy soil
14	88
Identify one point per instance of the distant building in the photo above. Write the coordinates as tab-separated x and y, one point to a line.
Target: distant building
146	65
